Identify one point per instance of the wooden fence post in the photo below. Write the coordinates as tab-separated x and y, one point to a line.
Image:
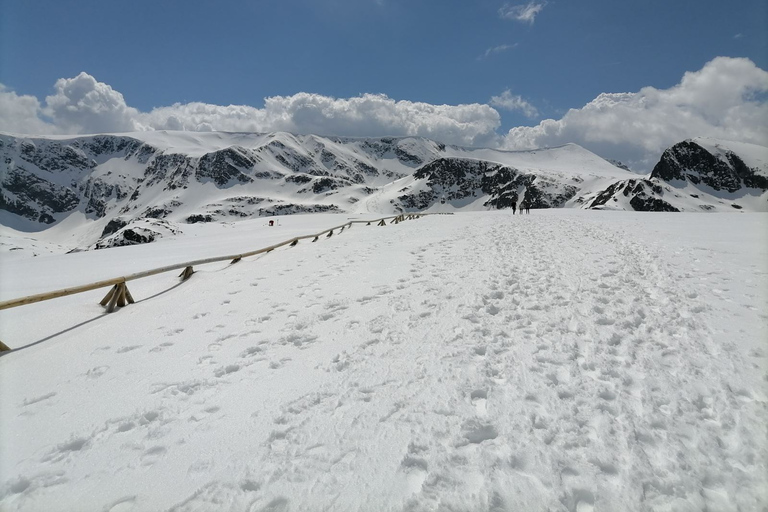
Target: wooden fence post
4	347
330	234
186	274
108	297
382	223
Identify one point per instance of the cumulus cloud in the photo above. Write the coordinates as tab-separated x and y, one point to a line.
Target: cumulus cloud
507	101
525	13
83	105
725	99
368	115
22	114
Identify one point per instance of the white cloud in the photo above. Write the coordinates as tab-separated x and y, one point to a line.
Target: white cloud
524	12
506	100
496	49
83	105
725	99
366	115
21	114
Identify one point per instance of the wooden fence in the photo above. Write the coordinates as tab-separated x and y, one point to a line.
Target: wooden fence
119	296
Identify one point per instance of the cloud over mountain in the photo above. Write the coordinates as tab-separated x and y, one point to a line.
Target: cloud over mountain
82	104
366	115
508	101
725	99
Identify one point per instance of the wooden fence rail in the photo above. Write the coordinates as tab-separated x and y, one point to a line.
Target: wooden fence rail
119	296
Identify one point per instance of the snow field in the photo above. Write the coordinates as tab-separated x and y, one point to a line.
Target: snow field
562	360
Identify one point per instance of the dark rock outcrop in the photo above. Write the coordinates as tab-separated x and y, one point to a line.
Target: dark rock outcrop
453	180
691	162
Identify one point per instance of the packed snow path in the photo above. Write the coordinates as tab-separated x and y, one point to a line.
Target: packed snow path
560	362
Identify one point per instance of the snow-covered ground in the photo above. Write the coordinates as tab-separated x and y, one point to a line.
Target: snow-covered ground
564	360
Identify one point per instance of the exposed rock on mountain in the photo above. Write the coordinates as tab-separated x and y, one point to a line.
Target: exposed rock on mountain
110	182
461	180
696	175
721	169
139	231
641	195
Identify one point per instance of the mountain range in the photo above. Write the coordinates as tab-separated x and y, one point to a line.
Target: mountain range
122	189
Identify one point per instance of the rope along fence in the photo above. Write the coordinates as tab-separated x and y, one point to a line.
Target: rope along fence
120	296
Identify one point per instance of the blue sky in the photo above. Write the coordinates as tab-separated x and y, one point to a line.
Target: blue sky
548	56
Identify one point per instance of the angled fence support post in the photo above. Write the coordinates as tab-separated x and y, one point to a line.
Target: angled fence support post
294	243
108	297
382	223
315	240
368	224
330	234
118	296
236	260
128	296
113	300
4	347
186	274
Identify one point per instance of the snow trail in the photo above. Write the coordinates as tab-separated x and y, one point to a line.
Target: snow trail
471	362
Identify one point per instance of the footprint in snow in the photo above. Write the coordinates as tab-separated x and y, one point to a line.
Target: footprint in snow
123	350
95	373
476	432
479	399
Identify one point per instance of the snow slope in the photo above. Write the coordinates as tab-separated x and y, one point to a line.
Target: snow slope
566	360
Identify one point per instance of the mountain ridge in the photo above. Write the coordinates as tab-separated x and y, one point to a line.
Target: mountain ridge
139	186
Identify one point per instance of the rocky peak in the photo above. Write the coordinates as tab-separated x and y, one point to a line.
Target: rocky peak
689	161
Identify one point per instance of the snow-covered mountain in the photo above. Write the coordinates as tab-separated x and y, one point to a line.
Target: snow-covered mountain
109	190
700	174
123	189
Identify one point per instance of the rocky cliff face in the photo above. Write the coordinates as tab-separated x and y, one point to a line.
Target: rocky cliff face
696	175
458	181
721	171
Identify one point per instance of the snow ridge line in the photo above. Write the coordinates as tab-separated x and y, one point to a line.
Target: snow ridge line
120	296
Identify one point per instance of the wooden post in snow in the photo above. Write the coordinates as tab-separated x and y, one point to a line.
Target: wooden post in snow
118	296
4	347
187	273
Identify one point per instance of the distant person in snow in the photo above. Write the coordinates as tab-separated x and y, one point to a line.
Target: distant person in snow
527	207
514	207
